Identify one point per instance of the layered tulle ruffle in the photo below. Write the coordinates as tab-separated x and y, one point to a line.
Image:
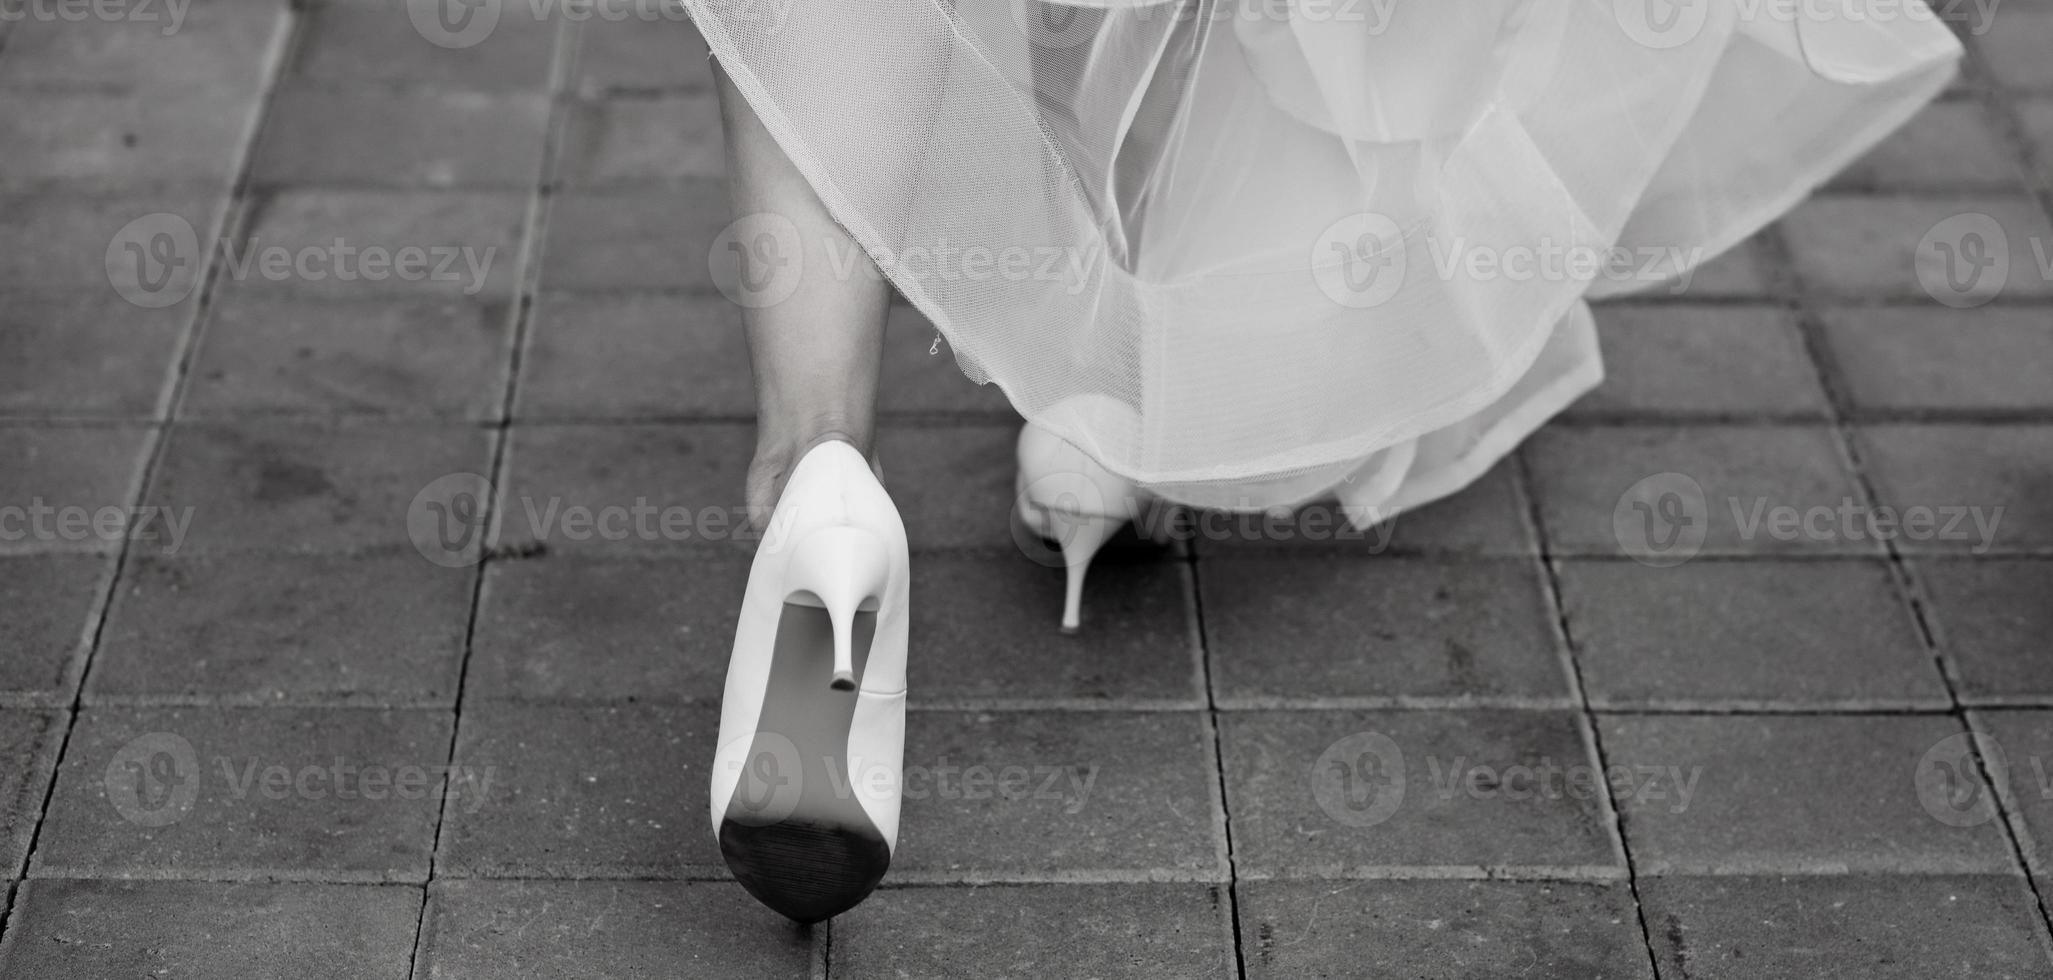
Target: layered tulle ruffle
1250	254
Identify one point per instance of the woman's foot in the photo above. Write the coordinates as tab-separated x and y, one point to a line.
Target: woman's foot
805	787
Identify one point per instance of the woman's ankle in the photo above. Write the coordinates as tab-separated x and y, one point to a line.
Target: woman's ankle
780	447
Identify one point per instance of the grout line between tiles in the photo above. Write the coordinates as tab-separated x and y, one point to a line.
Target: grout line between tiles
152	451
562	68
1806	301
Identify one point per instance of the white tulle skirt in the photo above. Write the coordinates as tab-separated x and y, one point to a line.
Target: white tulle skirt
1253	252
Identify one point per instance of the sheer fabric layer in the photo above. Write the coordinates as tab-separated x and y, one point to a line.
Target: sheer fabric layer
1249	255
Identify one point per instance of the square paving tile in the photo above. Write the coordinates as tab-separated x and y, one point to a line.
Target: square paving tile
579	629
379	41
1789	793
51	603
1488	517
2016	53
1043	795
1739	272
988	628
375	630
1387	628
576	929
429	244
636	355
308	487
85	354
223	47
157	239
1817	634
1993	618
921	377
627	488
1876	247
1479	929
275	355
1929	358
28	746
1342	793
211	929
1668	494
116	137
637	238
1672	359
2023	742
1951	144
585	792
325	793
1981	488
1844	928
69	489
669	137
953	485
641	54
2037	116
1037	931
418	138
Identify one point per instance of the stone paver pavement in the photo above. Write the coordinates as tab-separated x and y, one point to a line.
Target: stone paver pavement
331	644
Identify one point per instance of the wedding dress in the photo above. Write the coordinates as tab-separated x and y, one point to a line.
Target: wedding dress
1251	253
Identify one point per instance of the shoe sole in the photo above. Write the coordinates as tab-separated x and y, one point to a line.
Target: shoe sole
823	855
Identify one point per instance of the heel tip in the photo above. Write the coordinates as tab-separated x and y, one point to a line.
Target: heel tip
843	682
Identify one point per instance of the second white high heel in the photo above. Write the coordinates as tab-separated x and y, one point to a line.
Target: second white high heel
806	780
1066	496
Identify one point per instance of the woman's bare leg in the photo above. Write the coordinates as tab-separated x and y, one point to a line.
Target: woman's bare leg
815	354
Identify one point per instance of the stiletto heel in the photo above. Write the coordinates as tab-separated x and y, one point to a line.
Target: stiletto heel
806	780
844	570
1065	496
1088	533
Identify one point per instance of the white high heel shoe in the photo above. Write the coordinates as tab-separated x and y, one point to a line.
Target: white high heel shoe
1064	495
812	725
